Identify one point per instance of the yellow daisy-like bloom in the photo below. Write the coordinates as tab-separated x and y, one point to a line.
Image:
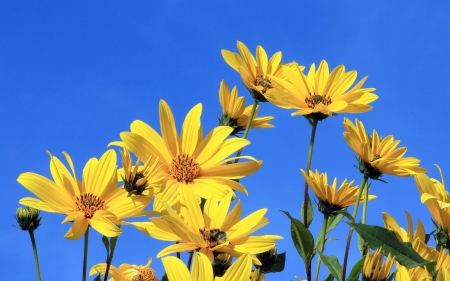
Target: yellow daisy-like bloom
140	180
213	230
126	272
96	201
190	159
254	73
391	224
234	112
374	269
379	156
202	270
332	199
320	94
413	274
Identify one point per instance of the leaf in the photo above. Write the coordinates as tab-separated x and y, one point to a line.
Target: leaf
331	224
164	278
356	270
98	278
332	263
379	237
302	238
347	215
278	266
310	212
329	278
106	243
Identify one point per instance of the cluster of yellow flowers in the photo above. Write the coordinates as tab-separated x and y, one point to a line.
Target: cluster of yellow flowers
191	180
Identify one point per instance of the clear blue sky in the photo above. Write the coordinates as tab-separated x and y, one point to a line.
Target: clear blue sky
75	74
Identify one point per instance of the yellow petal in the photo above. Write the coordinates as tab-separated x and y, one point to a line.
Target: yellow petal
175	269
168	128
189	132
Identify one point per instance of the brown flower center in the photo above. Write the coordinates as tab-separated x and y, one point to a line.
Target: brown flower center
214	237
145	274
264	82
314	99
184	168
89	204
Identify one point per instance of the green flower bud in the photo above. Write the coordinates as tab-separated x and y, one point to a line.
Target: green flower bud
28	218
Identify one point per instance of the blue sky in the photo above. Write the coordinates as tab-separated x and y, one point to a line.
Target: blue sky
73	75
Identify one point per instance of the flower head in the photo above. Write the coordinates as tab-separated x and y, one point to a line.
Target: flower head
190	159
28	218
391	224
234	112
95	201
176	270
332	199
140	180
378	155
374	269
126	272
320	94
254	73
213	231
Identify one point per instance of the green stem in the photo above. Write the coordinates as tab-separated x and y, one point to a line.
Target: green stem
308	167
112	245
86	242
366	194
36	259
322	245
350	232
247	128
191	253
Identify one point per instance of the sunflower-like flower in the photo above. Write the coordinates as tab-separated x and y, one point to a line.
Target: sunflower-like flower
190	159
413	274
95	201
391	224
378	155
320	94
214	230
254	73
374	269
176	270
331	199
234	112
126	272
140	180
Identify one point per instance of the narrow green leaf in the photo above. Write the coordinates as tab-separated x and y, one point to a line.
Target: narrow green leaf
98	278
333	221
278	266
329	278
106	243
347	215
379	237
164	278
310	210
332	263
356	270
302	238
113	242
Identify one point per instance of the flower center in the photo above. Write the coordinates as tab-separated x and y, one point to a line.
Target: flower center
145	274
264	82
376	157
214	237
184	168
314	99
89	204
137	185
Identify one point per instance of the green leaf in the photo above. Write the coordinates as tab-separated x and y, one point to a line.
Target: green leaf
329	278
164	278
356	270
98	278
310	210
278	266
379	237
302	238
347	215
332	263
106	243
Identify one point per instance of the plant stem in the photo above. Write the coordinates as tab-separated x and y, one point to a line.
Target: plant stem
112	245
350	232
308	166
247	128
86	242
322	245
191	253
36	259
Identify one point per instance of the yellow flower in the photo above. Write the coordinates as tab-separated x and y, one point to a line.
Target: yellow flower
320	94
234	112
202	270
402	235
331	199
140	180
212	230
379	156
126	272
190	159
254	73
413	274
96	201
374	269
